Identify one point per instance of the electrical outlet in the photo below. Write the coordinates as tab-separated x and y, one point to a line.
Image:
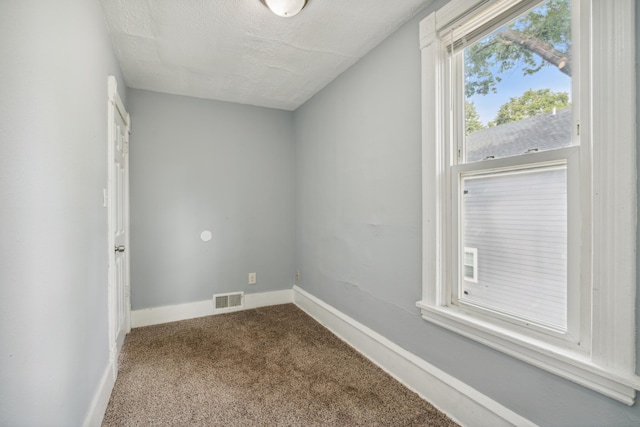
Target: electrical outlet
297	275
252	278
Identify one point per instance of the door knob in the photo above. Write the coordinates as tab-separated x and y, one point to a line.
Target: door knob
119	249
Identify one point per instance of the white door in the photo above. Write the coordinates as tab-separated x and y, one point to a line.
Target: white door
118	205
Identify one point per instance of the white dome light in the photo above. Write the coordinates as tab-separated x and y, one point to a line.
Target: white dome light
285	8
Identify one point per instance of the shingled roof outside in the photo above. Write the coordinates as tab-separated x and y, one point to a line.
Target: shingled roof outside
544	132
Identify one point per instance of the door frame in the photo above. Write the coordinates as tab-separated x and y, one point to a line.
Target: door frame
115	106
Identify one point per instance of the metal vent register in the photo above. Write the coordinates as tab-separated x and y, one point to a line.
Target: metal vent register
227	302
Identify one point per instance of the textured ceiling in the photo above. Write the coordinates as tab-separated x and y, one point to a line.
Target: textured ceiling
238	51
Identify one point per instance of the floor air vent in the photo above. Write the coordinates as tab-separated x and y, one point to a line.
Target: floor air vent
223	303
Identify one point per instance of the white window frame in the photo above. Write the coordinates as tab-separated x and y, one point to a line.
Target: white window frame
600	351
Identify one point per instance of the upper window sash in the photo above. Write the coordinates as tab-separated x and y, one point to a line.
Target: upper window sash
461	34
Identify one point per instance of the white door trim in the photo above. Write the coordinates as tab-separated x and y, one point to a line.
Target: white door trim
115	106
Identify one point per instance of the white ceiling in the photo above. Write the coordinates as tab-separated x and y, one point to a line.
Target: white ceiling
238	51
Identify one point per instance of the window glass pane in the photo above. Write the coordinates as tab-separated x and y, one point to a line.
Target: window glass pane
517	220
517	84
468	258
468	272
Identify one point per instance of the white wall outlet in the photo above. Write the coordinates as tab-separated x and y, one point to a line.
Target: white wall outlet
252	278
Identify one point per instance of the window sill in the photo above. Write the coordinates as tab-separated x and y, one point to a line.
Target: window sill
570	364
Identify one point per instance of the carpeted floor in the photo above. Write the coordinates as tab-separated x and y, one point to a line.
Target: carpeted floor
272	366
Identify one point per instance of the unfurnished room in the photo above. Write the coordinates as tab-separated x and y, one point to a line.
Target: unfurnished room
319	213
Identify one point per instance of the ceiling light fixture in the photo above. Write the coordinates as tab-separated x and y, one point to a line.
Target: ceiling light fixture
285	8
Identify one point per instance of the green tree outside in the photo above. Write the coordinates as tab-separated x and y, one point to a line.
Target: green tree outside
472	119
531	103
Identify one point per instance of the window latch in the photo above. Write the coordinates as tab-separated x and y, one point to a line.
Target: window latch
489	157
531	150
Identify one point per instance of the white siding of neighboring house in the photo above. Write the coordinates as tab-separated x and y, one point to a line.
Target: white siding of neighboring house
518	224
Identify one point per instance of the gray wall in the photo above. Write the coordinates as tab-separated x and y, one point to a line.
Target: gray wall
54	61
358	232
208	165
638	189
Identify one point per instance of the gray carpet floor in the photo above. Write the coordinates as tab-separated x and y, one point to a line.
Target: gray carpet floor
272	366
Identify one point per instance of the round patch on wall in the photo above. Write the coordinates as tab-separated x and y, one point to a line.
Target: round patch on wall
205	235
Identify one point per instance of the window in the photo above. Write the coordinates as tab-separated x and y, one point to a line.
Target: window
517	213
470	265
529	192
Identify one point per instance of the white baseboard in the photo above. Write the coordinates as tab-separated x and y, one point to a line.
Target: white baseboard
460	402
265	299
173	313
170	313
100	400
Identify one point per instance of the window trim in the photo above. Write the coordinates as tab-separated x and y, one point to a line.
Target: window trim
606	363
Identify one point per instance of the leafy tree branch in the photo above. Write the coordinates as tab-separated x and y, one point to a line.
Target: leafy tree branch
538	39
